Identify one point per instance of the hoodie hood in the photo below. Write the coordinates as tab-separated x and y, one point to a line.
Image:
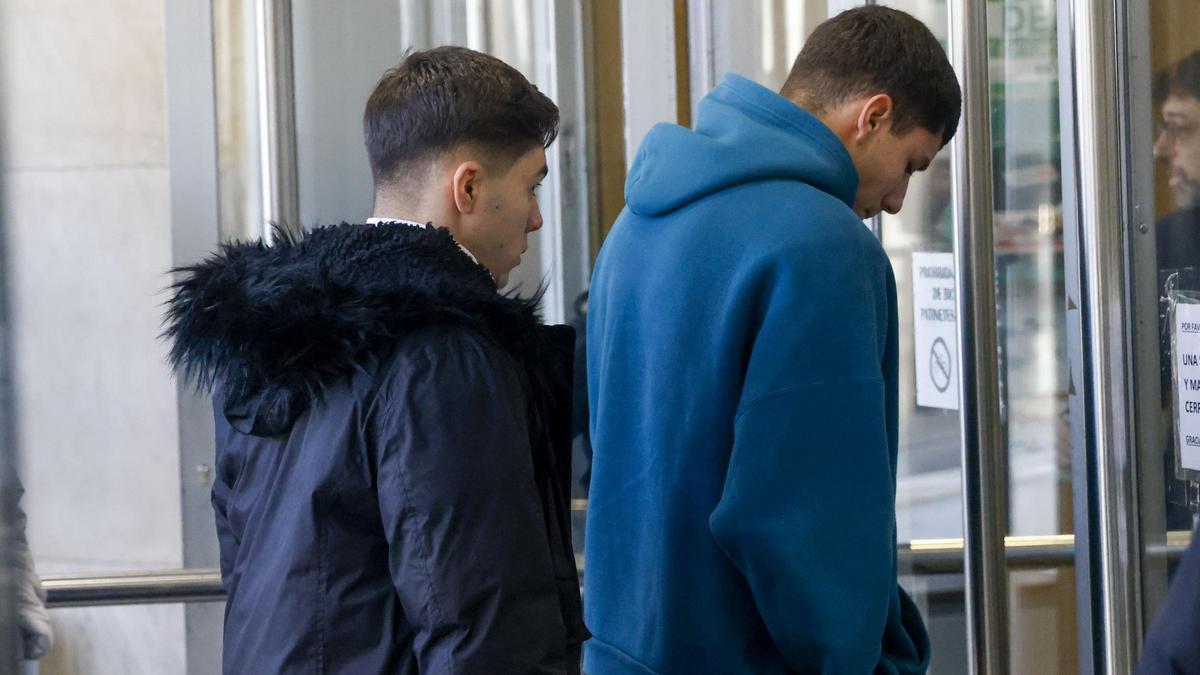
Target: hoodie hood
677	166
268	328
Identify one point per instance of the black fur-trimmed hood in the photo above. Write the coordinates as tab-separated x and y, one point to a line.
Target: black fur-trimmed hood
270	327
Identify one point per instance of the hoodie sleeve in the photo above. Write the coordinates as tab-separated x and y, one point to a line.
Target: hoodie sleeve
807	512
469	555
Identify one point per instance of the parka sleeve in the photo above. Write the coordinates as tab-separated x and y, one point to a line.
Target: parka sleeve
468	550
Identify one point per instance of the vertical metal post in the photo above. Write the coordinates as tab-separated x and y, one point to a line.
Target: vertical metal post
195	232
984	477
1082	470
10	643
276	115
1115	536
1149	432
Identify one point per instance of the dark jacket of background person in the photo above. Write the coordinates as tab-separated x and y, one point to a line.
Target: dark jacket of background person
393	453
1173	642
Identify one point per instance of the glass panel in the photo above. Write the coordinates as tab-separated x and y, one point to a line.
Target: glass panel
1031	314
339	53
1031	339
1174	52
1175	60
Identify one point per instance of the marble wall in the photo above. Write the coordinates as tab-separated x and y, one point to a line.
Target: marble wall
87	202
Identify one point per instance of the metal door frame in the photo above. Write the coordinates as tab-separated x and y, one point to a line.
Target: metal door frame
1113	325
10	643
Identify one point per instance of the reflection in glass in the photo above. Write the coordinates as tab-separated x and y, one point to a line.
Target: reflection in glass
1176	150
1168	514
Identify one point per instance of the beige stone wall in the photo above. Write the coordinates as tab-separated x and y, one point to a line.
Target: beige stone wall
87	207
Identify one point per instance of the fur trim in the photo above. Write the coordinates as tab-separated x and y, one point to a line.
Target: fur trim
280	322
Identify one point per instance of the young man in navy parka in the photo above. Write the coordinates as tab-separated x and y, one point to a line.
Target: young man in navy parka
393	434
742	360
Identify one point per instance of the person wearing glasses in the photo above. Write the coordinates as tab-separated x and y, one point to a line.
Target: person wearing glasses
1171	646
1177	146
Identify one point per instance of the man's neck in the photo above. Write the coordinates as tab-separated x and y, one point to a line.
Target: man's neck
394	207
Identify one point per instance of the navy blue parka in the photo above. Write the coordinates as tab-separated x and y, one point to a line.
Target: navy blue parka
393	456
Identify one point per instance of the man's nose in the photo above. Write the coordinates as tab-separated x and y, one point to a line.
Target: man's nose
1164	148
894	200
535	220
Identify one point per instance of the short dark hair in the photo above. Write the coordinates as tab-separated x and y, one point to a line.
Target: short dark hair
879	49
1181	78
438	99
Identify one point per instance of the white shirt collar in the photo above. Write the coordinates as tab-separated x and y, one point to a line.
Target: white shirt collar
413	223
396	221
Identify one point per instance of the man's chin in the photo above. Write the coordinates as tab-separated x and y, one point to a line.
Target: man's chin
1187	199
1186	192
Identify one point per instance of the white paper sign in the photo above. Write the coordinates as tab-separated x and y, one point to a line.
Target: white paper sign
1187	383
935	330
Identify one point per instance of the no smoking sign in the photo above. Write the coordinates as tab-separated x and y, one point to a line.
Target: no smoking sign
935	330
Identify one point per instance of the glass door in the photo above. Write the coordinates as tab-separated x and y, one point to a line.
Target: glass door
1031	309
1033	384
1159	59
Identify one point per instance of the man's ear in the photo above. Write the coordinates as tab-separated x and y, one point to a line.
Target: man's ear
876	114
464	184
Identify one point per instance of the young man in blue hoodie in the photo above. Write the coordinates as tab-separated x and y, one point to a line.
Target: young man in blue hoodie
742	372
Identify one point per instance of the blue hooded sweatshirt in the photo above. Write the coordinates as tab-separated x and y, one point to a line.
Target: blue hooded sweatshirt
742	342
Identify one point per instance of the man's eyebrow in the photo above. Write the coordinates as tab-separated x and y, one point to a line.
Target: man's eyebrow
542	172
